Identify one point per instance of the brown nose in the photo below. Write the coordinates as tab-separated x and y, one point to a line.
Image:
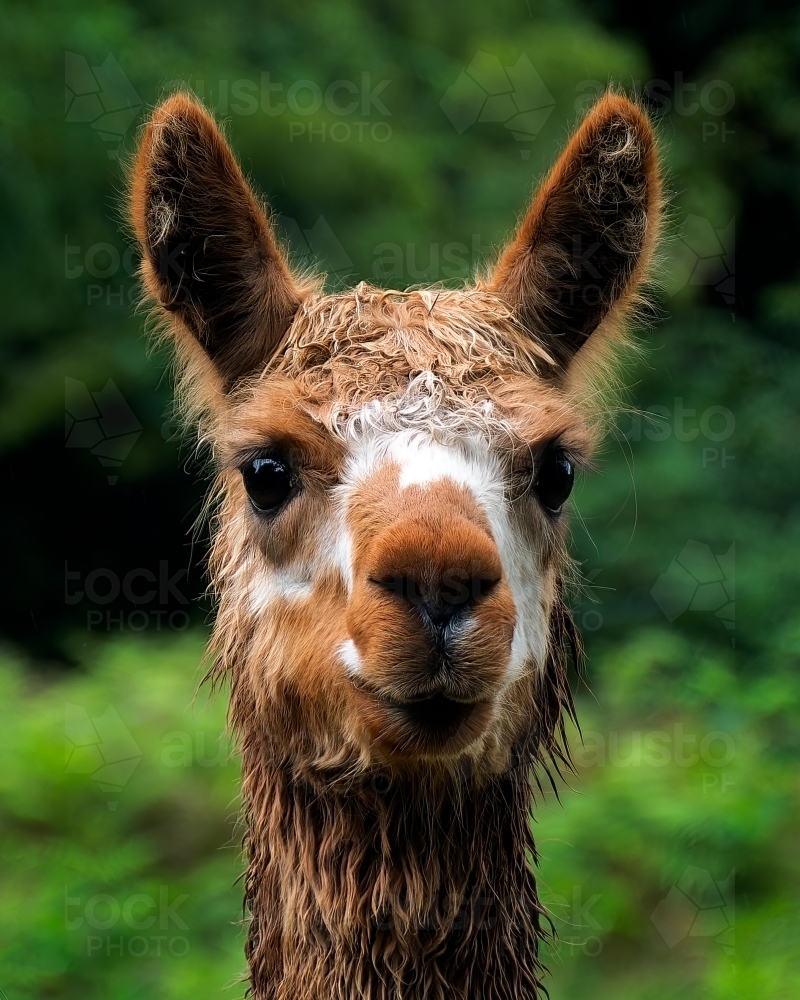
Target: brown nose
442	570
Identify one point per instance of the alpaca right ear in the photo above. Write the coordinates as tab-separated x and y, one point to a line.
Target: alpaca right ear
585	244
210	257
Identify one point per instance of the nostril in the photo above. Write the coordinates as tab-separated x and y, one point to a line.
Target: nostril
438	604
482	586
401	586
459	591
438	614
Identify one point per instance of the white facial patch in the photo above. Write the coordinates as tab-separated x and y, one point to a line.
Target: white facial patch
520	566
349	655
268	584
326	552
430	444
336	545
473	466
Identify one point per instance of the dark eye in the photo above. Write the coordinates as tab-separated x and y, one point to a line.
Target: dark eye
268	482
554	479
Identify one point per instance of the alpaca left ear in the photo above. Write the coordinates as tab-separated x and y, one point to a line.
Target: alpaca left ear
210	258
586	240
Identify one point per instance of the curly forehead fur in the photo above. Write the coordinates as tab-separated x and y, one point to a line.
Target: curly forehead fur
369	341
452	362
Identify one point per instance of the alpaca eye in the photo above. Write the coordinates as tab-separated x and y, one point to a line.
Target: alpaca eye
554	479
268	482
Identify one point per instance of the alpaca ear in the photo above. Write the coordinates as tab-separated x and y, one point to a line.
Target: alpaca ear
586	240
210	257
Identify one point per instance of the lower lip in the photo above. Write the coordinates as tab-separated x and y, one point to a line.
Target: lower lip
438	722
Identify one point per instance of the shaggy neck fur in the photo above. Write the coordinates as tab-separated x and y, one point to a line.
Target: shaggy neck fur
390	885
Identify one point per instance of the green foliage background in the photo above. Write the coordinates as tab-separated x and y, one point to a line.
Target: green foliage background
631	825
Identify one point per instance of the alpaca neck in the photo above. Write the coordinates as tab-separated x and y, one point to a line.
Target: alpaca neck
389	887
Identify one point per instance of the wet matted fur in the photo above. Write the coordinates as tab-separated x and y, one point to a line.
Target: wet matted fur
389	743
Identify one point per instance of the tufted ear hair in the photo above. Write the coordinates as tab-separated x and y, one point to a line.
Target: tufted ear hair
586	240
209	254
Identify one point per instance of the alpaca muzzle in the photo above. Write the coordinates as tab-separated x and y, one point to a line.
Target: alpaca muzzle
432	618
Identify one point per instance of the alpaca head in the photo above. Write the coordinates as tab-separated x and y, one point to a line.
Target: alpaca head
394	467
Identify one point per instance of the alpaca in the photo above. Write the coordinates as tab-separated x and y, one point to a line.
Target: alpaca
389	553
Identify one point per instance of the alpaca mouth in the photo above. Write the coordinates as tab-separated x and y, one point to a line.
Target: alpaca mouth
430	723
436	712
438	721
